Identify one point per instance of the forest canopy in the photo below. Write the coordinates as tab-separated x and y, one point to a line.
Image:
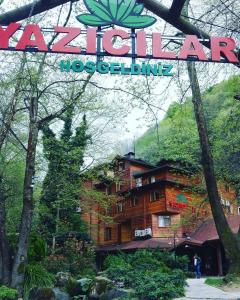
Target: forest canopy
176	136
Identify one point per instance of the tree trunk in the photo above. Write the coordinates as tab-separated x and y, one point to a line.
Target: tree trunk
4	245
229	239
20	258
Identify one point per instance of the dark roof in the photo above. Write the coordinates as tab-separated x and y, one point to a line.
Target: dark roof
156	184
138	161
160	168
149	243
206	232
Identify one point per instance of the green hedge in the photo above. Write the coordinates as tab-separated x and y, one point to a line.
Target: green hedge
152	274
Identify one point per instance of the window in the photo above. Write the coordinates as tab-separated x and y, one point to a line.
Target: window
109	210
78	209
155	195
109	190
119	207
134	201
119	186
228	209
139	182
164	221
238	210
226	187
108	234
121	166
151	179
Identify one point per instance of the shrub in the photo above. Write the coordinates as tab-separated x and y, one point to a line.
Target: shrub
36	249
56	264
36	275
231	278
148	273
214	281
7	293
160	286
168	259
115	260
75	288
190	274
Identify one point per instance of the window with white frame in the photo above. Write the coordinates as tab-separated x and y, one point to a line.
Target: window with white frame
119	207
139	181
155	196
119	186
164	221
121	166
153	179
134	201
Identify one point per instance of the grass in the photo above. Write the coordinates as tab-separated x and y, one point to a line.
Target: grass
214	282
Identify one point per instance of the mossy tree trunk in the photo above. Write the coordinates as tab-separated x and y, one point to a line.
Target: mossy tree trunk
230	240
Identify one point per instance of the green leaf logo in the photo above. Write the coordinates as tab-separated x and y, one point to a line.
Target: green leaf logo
124	13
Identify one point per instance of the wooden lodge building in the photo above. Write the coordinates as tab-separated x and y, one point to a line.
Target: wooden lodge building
163	206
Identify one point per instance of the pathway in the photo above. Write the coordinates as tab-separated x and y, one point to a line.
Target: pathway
197	289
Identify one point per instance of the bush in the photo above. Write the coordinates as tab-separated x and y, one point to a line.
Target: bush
190	274
7	293
36	249
36	276
148	273
168	259
78	287
214	281
56	264
231	278
115	260
73	287
160	286
80	257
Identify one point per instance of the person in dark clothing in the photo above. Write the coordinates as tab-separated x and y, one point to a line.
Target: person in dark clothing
197	265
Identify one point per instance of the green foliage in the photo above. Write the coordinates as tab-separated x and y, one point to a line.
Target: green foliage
81	258
160	286
61	186
168	259
7	293
231	278
150	273
178	135
75	288
12	167
214	281
36	249
55	264
36	275
76	257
